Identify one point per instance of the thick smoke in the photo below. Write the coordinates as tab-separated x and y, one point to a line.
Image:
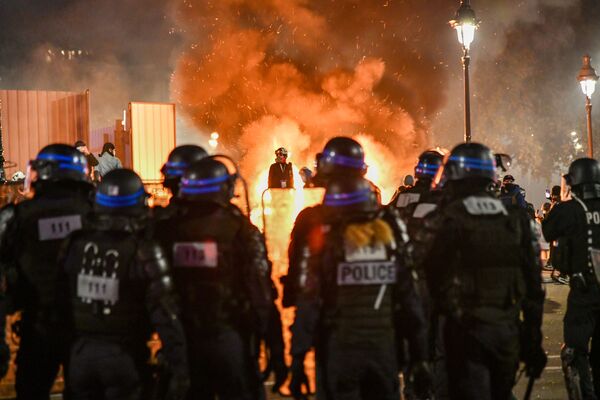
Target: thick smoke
526	99
119	49
295	73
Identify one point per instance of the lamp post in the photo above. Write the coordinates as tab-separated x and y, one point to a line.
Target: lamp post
465	24
587	78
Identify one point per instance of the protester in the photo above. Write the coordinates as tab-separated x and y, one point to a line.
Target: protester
108	160
280	173
511	194
92	162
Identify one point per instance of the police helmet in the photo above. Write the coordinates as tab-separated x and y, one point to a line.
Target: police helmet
57	162
583	171
207	180
180	158
342	156
281	152
121	191
469	160
351	194
429	163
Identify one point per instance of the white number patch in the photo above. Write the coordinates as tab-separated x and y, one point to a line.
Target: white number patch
91	287
484	206
366	253
195	254
372	273
59	227
405	199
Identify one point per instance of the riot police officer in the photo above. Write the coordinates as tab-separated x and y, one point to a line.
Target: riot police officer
180	158
222	276
575	224
31	233
120	291
483	270
349	299
342	156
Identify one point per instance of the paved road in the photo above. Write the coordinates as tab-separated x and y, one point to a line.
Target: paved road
551	384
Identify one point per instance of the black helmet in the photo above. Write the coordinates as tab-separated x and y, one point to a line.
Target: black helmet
351	194
429	163
57	162
121	191
582	171
207	180
469	160
342	156
180	158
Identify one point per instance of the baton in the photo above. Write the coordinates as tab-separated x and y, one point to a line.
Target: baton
529	388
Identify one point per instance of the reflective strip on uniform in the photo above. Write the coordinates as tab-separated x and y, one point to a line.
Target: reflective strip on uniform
368	273
58	227
195	254
484	206
423	209
374	252
404	199
91	287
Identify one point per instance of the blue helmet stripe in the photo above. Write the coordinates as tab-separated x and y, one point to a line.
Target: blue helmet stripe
344	199
75	167
198	190
427	169
119	201
204	182
474	163
344	161
176	164
174	172
58	157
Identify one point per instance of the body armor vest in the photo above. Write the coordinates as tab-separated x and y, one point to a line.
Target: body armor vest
489	283
358	288
200	247
107	285
42	223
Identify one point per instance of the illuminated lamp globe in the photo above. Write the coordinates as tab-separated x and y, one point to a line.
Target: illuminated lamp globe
465	24
587	77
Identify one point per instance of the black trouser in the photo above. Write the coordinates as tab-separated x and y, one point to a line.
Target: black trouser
224	365
360	372
580	327
104	370
38	361
481	360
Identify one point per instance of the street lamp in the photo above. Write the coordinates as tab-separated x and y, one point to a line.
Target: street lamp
465	24
587	78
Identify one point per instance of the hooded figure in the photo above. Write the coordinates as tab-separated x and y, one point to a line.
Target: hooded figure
107	160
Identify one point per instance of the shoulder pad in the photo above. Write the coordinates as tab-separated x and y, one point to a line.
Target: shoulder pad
424	209
406	198
483	205
153	257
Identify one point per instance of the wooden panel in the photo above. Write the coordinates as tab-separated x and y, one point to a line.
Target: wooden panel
33	119
152	137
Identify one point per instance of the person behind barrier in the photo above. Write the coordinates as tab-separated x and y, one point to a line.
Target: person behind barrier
348	304
30	236
483	270
222	276
281	174
119	290
575	224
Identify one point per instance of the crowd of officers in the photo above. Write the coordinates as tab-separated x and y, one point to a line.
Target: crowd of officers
442	285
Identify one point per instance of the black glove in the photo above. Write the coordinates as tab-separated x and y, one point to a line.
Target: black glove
535	362
179	385
4	358
299	379
422	380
